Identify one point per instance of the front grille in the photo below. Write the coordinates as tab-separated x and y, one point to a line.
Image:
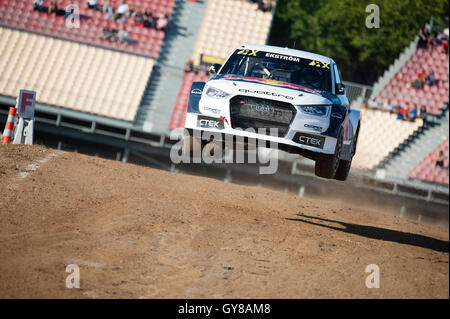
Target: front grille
255	113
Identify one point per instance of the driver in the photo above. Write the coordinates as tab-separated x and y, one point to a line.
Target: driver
309	76
259	71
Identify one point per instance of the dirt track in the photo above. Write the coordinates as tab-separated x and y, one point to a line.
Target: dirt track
136	232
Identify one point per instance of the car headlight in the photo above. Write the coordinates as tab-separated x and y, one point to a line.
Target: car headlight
317	110
216	93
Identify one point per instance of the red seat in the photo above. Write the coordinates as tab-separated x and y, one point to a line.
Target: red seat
20	13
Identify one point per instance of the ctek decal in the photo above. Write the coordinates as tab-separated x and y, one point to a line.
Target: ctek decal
210	122
196	91
266	93
310	140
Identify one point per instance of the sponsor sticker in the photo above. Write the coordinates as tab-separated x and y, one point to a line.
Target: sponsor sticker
210	122
266	93
283	57
196	91
314	127
310	140
212	110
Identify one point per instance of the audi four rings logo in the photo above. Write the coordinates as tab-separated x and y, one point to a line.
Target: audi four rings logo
196	91
266	93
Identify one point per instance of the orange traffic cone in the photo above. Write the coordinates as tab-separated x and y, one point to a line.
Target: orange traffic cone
9	128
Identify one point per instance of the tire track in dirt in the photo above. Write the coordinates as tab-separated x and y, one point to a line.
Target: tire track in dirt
142	233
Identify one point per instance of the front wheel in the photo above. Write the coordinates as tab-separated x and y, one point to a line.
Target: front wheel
344	166
343	170
328	167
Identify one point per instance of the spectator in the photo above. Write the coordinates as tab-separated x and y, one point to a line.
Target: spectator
93	4
424	35
440	159
387	106
39	5
139	19
122	10
420	80
413	113
108	10
131	13
149	20
403	113
110	34
162	22
372	103
107	7
430	79
445	46
53	8
423	113
123	35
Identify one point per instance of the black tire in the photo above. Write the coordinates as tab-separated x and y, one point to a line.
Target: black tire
327	167
343	170
344	166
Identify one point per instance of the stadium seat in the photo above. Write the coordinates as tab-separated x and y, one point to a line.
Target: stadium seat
20	15
106	82
380	134
436	95
428	171
229	24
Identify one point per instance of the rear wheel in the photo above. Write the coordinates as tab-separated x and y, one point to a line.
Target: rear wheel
328	167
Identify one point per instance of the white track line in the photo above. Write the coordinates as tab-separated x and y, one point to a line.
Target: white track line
34	166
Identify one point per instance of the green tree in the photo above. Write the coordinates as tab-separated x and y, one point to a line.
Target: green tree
337	28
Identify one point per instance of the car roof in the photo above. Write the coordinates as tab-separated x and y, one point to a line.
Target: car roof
287	51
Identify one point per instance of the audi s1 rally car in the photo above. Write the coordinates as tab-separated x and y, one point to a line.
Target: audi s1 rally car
297	94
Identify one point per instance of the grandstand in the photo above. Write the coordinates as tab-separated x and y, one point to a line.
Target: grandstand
399	90
428	171
397	148
71	75
227	25
380	134
142	41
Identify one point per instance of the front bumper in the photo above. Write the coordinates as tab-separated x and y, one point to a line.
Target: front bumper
290	142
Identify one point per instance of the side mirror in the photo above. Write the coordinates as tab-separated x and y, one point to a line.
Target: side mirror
340	88
213	69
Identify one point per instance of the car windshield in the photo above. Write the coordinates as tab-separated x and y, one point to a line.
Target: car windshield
279	67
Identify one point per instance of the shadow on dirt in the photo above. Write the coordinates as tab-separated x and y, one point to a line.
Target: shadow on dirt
379	233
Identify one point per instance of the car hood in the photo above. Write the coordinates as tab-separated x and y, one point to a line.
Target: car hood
271	89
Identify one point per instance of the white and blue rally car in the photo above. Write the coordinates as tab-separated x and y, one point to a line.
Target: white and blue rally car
300	94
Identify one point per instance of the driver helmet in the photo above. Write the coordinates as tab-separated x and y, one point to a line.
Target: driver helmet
311	76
